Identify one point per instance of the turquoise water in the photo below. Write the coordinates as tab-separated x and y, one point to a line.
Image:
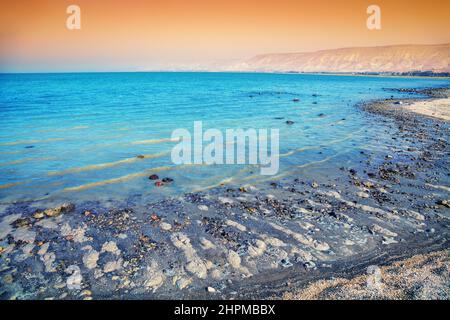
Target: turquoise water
77	136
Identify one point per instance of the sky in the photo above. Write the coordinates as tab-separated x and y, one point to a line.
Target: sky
139	35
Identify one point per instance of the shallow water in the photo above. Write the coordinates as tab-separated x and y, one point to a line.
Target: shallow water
77	136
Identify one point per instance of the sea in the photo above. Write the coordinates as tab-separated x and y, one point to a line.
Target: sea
99	136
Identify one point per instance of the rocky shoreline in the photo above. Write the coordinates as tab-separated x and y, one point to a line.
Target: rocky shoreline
244	242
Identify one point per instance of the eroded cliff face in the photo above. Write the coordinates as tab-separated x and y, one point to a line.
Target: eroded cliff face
401	58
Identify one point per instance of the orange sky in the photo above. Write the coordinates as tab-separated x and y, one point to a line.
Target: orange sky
152	34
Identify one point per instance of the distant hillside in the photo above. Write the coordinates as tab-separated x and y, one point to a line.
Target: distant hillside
387	59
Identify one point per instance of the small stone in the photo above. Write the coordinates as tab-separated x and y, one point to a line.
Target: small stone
64	208
315	185
210	289
90	259
112	266
74	281
206	244
234	259
202	207
225	200
155	280
86	293
285	263
8	279
111	247
183	283
363	195
444	203
368	184
39	215
22	222
165	226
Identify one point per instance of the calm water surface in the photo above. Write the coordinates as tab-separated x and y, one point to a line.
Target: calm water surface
77	136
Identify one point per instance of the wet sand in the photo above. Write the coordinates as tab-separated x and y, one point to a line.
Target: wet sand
249	241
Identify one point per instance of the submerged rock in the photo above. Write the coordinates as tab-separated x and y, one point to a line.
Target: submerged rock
234	259
90	259
165	226
112	266
154	276
111	247
74	281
